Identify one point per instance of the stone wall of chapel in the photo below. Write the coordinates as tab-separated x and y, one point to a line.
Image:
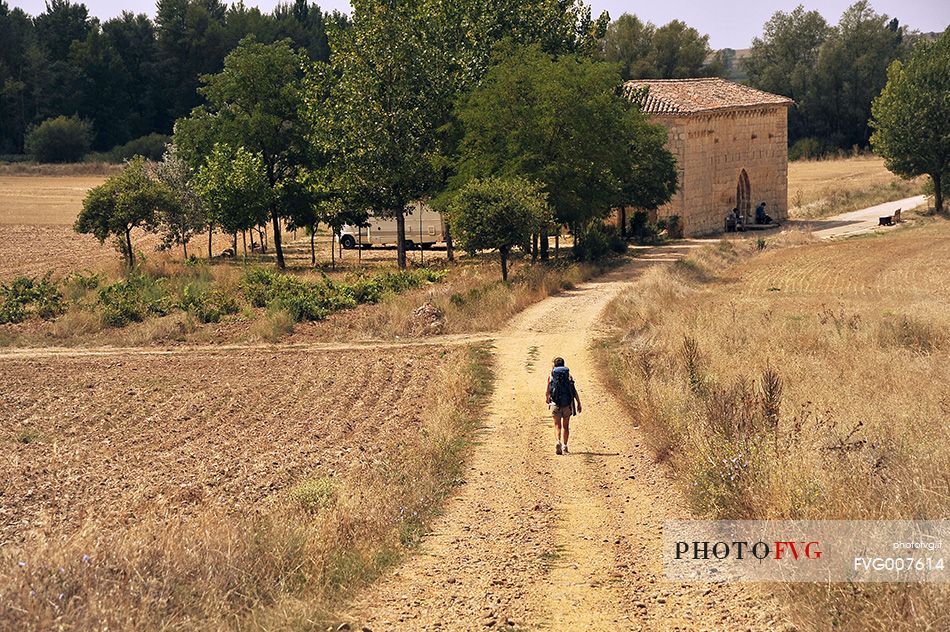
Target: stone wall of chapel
711	151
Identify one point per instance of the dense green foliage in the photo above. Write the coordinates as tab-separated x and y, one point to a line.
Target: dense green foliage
832	73
596	240
499	214
233	189
141	295
912	115
60	139
560	122
307	300
130	199
151	147
133	300
672	51
130	76
26	296
255	103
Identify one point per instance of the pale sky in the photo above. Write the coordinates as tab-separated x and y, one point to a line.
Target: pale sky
729	24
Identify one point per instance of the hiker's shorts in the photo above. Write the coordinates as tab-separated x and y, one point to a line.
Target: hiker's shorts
564	412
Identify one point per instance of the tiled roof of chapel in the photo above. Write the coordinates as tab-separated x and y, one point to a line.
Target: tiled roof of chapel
693	96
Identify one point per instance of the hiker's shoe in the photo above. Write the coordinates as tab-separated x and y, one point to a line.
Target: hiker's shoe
565	448
557	449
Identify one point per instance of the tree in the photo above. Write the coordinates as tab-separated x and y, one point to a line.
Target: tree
179	222
17	40
234	189
191	42
378	125
680	51
498	214
558	122
102	89
255	102
628	42
61	139
852	70
125	201
783	60
911	116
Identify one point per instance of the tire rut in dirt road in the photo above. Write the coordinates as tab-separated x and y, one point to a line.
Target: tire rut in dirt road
534	540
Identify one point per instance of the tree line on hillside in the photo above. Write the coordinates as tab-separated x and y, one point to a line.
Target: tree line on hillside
130	76
426	99
119	85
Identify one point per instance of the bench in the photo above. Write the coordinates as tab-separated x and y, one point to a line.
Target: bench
890	220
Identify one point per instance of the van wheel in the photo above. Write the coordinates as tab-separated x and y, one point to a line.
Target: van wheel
410	245
347	241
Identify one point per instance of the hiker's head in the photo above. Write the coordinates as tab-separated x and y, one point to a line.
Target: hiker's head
558	361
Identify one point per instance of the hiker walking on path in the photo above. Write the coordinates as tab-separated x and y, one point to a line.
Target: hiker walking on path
563	400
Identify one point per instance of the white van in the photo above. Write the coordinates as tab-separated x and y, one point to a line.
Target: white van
424	227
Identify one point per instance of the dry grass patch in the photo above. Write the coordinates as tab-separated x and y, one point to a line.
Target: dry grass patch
820	188
221	491
802	382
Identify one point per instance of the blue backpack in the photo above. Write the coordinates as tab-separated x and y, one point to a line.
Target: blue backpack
562	391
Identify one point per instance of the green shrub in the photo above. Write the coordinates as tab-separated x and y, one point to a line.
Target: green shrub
597	240
60	139
133	300
367	291
84	280
26	296
307	300
643	230
301	307
151	147
12	312
207	306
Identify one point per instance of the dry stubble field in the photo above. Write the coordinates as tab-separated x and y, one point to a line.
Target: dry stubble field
818	188
803	382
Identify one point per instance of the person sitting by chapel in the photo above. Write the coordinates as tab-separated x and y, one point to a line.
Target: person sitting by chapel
732	220
761	217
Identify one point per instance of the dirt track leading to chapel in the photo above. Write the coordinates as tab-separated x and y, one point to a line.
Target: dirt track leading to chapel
534	540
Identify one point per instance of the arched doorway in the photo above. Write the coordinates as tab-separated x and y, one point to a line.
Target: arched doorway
744	197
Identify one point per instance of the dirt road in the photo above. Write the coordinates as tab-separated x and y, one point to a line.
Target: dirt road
534	540
856	222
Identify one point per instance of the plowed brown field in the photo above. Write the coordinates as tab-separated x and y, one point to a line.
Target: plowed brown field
115	441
